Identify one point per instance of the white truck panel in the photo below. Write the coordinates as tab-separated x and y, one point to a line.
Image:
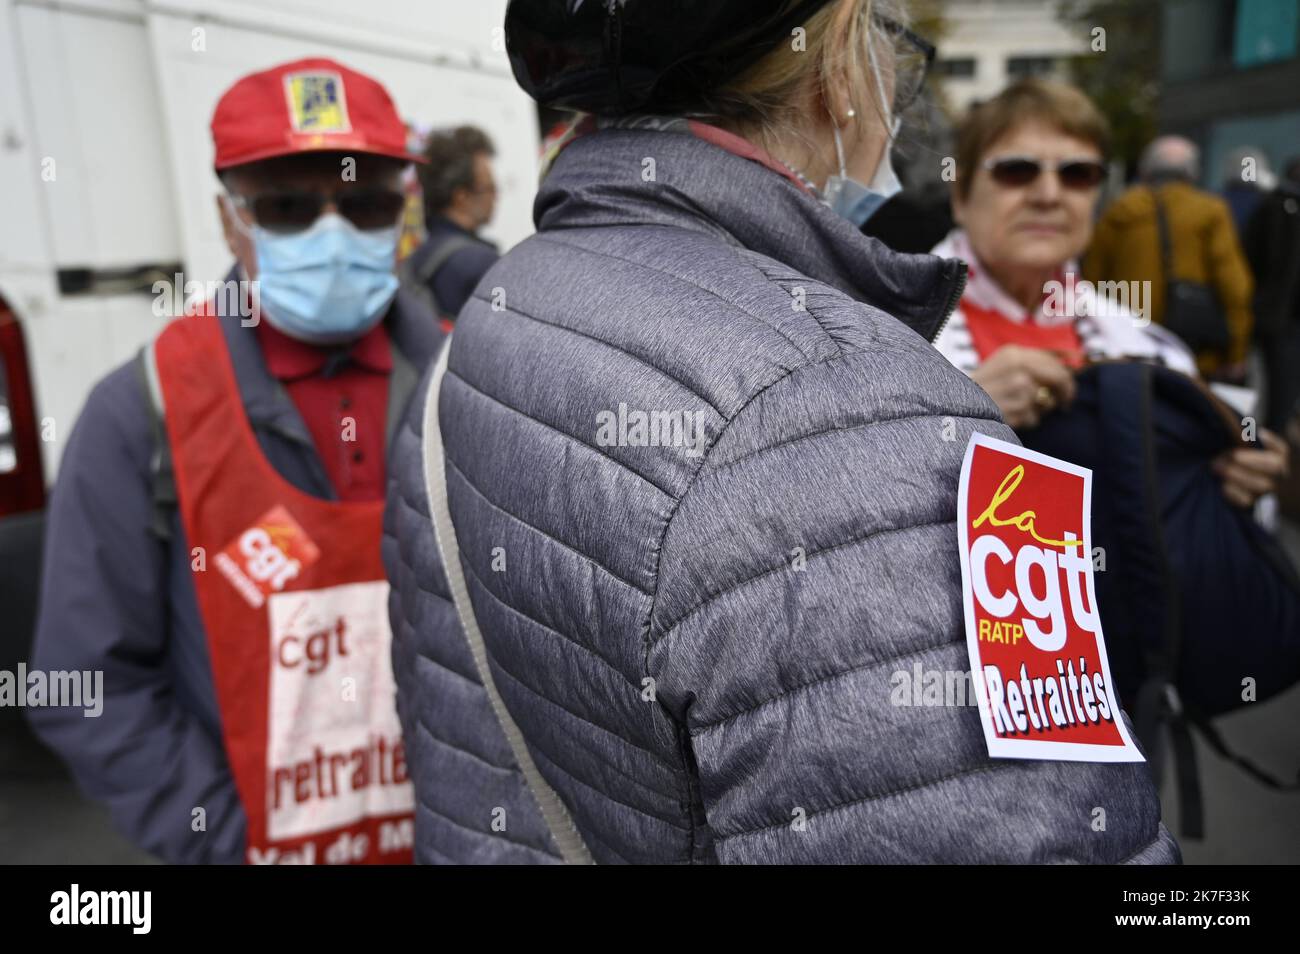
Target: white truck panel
95	112
120	93
238	41
24	232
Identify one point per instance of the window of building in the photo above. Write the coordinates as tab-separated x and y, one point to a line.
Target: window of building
1020	67
959	67
1266	31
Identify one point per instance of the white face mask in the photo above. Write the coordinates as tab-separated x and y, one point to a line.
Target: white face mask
847	196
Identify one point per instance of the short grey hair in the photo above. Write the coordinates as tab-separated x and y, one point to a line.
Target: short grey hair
1170	157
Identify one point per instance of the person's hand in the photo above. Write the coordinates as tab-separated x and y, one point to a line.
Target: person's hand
1026	383
1249	473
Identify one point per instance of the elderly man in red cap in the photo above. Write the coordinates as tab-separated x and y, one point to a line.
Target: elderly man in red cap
214	538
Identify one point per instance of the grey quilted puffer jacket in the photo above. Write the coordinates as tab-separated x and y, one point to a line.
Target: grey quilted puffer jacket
697	637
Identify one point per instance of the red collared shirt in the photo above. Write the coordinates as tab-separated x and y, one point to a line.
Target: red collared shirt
346	411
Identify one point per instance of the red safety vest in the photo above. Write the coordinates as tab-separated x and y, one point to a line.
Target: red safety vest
292	593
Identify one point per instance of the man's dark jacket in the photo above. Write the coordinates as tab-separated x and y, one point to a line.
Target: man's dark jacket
454	280
1272	245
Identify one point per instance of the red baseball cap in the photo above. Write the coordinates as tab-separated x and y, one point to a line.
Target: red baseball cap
311	105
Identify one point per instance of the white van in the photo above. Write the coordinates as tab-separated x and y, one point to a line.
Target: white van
106	185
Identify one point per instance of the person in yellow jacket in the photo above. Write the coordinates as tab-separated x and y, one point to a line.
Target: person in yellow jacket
1203	240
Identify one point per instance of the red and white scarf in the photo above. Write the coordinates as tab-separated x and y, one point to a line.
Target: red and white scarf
1103	329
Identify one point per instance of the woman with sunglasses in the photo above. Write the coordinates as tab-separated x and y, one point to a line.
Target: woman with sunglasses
1198	597
1030	164
619	643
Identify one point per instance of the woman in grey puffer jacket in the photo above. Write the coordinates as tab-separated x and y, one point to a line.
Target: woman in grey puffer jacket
701	461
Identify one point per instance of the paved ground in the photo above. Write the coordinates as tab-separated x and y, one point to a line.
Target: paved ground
1246	823
43	819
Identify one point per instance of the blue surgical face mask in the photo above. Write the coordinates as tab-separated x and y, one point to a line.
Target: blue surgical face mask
848	197
328	284
857	202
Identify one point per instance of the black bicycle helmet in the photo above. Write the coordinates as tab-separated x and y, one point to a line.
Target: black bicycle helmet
617	56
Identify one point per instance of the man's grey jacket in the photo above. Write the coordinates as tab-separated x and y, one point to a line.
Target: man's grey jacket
118	596
697	640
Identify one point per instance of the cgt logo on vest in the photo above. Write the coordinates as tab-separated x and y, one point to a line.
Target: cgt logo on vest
312	651
267	556
334	757
1032	628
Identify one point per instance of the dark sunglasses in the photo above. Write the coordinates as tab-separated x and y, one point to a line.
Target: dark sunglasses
1017	171
367	209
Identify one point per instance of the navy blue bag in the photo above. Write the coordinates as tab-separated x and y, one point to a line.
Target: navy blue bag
1195	598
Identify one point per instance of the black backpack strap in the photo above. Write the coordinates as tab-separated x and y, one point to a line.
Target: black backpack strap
1126	404
1125	395
161	476
1215	741
443	251
1132	488
426	261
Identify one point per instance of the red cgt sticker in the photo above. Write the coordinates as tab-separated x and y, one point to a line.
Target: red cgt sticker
267	556
1038	659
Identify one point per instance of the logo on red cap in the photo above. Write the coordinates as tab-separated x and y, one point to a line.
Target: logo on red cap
317	102
306	106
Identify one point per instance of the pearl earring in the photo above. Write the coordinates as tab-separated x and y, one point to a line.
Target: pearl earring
852	113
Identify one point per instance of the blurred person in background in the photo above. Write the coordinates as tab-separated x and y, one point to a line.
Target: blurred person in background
600	638
1029	166
1181	239
213	539
460	196
920	214
1245	178
1272	244
1030	163
1082	375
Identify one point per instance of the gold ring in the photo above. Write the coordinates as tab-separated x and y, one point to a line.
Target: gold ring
1044	397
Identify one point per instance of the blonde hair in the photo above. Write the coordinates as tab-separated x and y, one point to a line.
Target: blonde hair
767	96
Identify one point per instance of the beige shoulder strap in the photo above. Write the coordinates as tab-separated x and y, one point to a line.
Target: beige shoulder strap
563	831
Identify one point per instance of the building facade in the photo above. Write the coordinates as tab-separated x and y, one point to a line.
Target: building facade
1231	78
990	43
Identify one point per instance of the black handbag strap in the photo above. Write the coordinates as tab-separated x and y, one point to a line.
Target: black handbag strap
1162	228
